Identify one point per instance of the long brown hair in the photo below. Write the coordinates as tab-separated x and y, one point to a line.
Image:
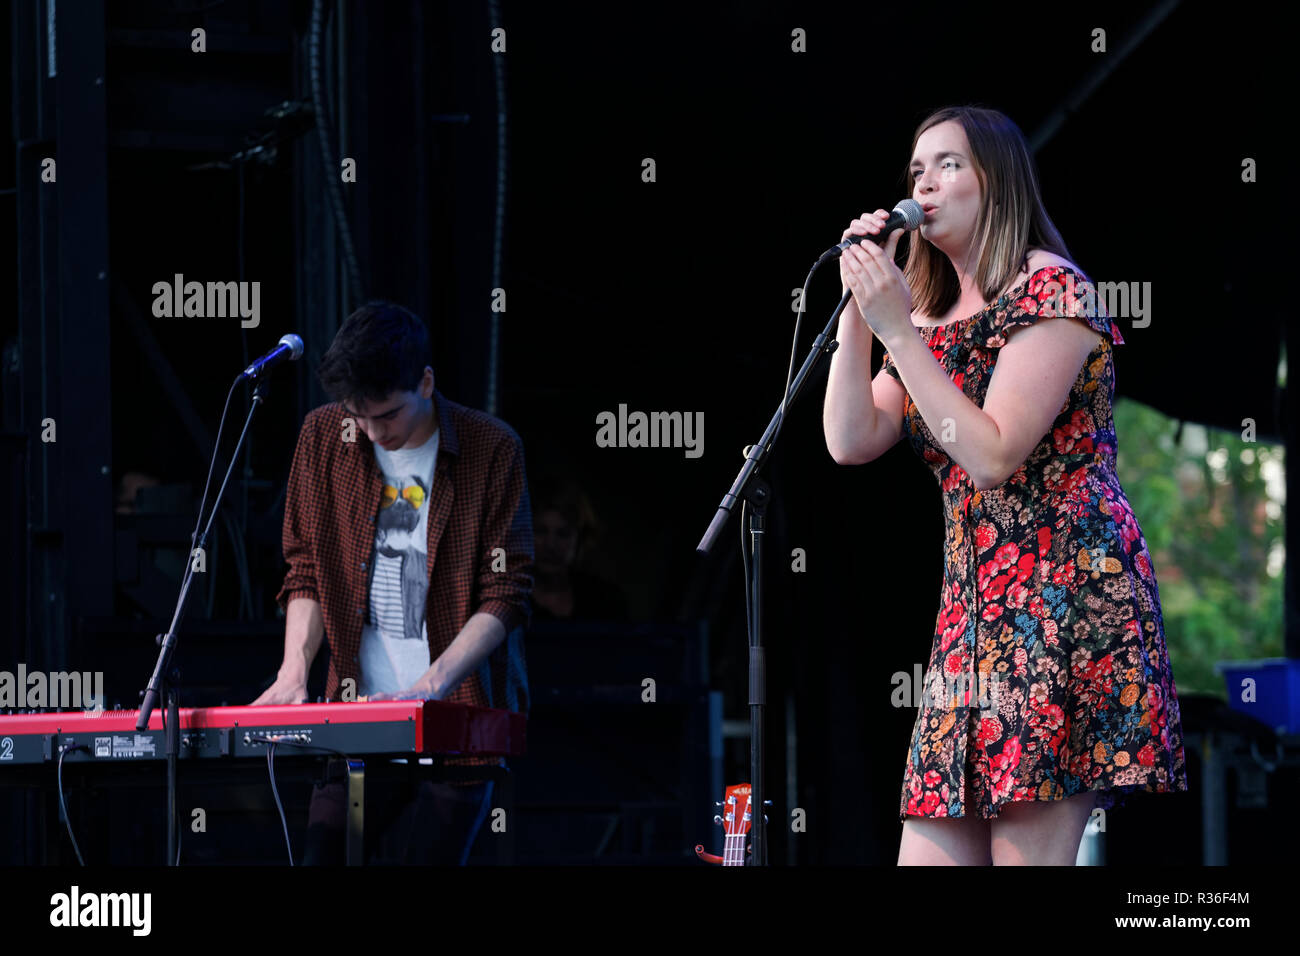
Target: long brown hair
1011	218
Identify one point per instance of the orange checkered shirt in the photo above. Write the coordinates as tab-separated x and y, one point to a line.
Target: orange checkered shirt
478	503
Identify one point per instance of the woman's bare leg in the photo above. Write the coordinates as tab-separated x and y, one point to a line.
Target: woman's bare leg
1040	833
946	841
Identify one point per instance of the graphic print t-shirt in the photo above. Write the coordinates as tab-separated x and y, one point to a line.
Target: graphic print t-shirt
395	640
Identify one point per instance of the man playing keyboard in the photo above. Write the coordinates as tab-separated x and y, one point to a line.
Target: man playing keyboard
408	535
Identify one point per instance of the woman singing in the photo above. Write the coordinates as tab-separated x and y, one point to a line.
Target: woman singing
1049	690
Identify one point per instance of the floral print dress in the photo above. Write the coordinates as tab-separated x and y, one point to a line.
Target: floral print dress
1048	675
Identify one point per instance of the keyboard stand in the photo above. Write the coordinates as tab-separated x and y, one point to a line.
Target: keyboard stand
353	771
356	796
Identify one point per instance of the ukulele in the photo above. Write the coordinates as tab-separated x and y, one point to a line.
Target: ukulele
735	820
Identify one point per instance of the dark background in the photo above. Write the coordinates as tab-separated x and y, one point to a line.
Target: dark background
672	295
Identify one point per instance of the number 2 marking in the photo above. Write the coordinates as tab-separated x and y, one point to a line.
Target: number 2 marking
6	748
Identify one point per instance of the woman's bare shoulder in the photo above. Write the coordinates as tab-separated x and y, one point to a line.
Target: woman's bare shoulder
1038	259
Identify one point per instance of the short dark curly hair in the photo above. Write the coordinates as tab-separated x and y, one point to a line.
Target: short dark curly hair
381	348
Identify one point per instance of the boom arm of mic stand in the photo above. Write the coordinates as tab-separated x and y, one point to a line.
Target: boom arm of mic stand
154	688
824	344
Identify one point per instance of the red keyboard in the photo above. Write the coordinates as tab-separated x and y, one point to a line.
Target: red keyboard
380	727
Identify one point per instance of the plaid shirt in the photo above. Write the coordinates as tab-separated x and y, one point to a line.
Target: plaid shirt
478	503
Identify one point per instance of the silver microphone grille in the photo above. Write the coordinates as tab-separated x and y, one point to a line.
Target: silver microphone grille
913	214
295	344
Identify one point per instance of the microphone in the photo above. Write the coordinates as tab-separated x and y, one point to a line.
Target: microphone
908	214
289	349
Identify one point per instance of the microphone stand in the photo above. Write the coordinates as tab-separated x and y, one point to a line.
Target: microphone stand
166	679
752	489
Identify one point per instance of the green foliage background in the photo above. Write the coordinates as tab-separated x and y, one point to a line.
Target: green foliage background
1204	519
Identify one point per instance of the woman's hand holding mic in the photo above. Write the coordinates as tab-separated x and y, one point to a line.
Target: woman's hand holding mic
879	290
